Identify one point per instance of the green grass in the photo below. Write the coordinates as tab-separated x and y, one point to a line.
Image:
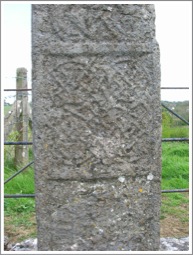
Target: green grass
23	183
175	175
175	165
19	212
175	132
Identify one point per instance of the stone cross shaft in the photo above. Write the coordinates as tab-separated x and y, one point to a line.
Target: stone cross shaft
96	127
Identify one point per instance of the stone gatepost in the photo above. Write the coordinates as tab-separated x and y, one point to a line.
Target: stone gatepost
97	127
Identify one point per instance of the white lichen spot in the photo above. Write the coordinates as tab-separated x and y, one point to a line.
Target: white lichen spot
150	177
109	9
121	178
101	230
145	16
23	154
74	247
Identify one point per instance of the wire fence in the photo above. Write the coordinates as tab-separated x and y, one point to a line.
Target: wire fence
17	129
18	151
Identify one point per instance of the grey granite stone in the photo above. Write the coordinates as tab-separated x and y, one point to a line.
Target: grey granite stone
174	244
166	244
97	127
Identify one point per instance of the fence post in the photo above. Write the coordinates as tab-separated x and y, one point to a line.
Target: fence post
21	151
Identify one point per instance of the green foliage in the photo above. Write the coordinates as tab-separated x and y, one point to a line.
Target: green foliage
172	206
23	183
175	132
19	205
173	127
167	119
175	165
181	108
175	175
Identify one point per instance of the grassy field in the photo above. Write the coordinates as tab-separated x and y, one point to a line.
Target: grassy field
20	213
175	132
175	175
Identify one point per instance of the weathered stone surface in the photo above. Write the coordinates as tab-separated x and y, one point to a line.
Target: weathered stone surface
166	244
97	127
174	244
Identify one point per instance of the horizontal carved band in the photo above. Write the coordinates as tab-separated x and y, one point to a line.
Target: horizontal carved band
103	48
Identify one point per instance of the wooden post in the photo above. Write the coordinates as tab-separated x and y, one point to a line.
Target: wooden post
21	151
